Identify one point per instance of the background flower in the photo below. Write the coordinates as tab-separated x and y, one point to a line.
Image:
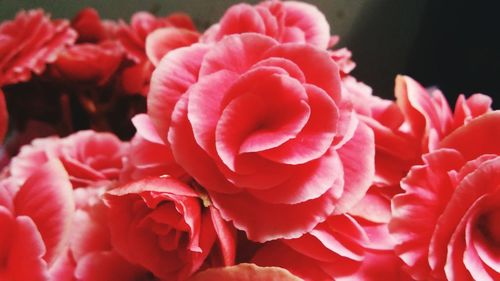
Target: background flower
444	221
29	42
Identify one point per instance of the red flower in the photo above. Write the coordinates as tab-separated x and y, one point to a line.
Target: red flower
446	221
29	42
91	29
89	63
261	126
159	224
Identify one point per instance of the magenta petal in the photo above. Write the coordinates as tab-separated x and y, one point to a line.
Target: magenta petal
176	72
47	198
358	158
236	53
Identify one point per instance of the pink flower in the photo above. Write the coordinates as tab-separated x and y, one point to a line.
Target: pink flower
261	126
147	39
446	221
288	21
35	223
29	42
88	157
245	272
159	224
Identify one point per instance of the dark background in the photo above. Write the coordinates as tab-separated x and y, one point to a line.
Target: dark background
453	45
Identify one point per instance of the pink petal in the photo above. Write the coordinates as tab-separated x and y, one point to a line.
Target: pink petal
190	156
241	18
264	222
482	135
145	128
318	68
236	53
357	157
163	40
226	235
175	73
310	20
317	135
309	181
47	198
204	106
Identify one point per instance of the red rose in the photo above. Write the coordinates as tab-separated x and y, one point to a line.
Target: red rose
265	129
288	21
446	221
245	272
29	42
158	223
89	63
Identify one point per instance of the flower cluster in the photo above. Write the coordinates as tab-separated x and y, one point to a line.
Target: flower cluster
150	151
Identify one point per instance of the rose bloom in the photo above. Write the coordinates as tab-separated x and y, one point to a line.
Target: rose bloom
29	42
288	21
159	224
446	221
91	28
265	129
35	223
147	39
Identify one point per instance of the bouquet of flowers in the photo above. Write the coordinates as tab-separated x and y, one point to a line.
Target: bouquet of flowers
147	150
